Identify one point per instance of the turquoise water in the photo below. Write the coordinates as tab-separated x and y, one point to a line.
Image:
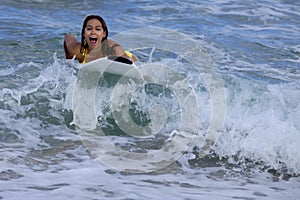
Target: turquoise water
251	48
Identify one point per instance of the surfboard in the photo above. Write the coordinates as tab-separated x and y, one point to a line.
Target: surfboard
113	65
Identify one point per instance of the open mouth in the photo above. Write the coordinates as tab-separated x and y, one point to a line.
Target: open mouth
93	40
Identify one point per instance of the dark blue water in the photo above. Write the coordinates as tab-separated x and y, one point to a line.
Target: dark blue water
241	60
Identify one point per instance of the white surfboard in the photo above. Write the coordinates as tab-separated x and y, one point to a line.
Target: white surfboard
114	65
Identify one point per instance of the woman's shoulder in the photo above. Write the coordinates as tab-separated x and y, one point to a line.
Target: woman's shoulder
113	47
72	47
110	42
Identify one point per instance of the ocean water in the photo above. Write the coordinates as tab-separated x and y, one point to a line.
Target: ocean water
214	114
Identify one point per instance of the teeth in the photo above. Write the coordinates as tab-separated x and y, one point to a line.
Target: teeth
93	40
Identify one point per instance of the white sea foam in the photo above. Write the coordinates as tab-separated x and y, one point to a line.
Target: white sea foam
260	124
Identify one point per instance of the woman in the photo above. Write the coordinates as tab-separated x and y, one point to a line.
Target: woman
94	43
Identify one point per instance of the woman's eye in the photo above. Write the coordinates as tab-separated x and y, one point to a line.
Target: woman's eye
88	29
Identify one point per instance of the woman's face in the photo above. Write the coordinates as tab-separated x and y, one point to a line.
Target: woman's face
94	33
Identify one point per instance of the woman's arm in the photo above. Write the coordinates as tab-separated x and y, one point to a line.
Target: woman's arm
72	47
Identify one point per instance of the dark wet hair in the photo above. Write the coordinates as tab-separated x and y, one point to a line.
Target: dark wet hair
84	45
